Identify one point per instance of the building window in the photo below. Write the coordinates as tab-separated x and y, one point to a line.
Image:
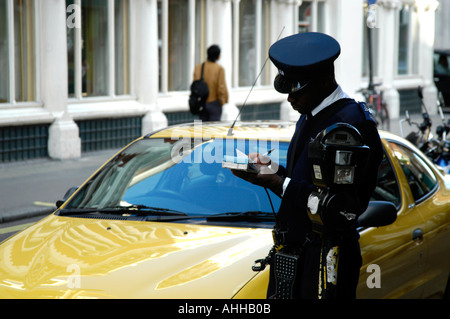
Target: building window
179	74
176	41
98	52
122	47
407	42
252	20
200	30
311	16
247	42
17	51
162	47
182	45
403	41
95	54
4	53
265	42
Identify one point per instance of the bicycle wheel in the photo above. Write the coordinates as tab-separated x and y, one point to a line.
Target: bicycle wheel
382	118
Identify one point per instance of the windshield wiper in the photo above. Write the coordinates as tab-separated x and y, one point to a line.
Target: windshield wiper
145	210
250	216
140	210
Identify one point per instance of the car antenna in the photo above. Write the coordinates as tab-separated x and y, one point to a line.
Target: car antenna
230	131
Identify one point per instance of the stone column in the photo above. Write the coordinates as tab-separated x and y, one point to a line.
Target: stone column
220	33
387	49
64	141
146	63
344	25
426	10
284	18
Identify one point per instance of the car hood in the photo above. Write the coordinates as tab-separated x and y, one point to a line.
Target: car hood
64	257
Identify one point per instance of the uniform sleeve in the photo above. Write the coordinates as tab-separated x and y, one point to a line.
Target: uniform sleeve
297	192
371	139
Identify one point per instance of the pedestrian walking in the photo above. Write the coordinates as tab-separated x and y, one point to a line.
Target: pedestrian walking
214	76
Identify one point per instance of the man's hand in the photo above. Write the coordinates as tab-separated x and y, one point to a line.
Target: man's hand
266	177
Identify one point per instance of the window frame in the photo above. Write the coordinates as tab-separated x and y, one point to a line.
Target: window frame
32	58
262	42
318	23
411	45
196	42
397	182
423	161
111	92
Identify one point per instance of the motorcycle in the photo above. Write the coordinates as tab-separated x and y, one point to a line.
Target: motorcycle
443	155
436	148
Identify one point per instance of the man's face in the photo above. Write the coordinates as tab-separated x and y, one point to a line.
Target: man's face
306	99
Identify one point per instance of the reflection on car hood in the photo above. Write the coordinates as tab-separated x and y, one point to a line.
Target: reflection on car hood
82	258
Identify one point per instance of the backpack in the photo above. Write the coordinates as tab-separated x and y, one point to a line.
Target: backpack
199	94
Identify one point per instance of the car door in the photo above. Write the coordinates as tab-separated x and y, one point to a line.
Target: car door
432	202
437	241
393	255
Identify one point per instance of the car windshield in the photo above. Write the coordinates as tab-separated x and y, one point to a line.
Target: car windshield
179	176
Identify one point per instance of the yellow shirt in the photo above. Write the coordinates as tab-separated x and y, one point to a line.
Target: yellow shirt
214	76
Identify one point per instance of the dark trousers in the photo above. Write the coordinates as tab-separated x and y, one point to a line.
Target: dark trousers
212	111
307	283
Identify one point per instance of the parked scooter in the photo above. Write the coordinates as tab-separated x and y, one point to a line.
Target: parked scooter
435	148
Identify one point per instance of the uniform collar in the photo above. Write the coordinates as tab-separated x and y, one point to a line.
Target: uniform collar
330	99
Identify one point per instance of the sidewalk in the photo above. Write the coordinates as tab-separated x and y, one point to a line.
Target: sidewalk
31	188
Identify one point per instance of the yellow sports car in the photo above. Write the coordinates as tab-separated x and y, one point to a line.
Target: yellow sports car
164	219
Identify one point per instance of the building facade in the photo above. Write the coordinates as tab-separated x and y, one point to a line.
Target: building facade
82	75
442	34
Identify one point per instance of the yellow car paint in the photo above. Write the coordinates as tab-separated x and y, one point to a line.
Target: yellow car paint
65	257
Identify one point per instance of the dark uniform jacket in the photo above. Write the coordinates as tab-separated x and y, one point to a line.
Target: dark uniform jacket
292	215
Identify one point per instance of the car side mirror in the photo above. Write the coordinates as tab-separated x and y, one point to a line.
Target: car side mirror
377	214
66	196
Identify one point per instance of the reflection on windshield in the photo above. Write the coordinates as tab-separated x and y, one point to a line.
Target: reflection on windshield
179	175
